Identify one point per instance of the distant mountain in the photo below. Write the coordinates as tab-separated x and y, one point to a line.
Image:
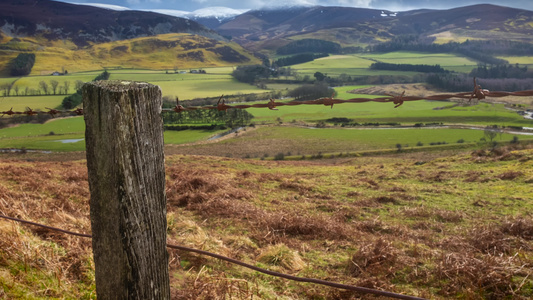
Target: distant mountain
213	17
269	29
260	25
83	24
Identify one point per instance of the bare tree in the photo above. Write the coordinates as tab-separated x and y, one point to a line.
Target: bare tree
5	88
66	86
16	89
54	84
491	132
44	87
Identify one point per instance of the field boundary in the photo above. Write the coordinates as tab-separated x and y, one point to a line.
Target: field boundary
478	94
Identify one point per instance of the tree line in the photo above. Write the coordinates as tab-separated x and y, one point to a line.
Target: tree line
408	67
76	99
51	87
501	71
455	82
310	45
481	50
297	59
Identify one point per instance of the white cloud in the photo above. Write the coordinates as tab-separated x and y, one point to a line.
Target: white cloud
170	12
133	2
280	3
102	5
353	3
218	11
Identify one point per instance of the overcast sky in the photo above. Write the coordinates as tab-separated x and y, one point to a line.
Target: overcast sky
191	5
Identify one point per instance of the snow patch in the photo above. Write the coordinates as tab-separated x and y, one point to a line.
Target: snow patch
217	12
102	5
171	12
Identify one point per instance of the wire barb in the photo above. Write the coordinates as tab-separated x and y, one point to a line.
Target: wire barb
272	104
478	92
222	106
53	112
178	108
30	112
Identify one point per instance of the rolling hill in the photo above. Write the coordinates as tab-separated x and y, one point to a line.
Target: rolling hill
83	25
80	37
348	26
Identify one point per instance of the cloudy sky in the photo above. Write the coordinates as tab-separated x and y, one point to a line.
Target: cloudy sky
191	5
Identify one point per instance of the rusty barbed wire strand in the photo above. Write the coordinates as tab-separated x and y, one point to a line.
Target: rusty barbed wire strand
478	93
234	261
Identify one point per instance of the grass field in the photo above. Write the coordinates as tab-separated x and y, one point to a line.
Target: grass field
522	60
33	136
335	65
51	135
409	112
34	102
447	61
296	141
218	81
357	64
427	225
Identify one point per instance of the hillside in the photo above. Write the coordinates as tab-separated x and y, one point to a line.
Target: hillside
435	227
166	51
83	25
66	37
357	26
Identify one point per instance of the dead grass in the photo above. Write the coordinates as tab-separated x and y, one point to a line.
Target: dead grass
486	277
353	221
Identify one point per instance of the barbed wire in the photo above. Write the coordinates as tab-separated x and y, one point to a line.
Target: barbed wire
234	261
478	93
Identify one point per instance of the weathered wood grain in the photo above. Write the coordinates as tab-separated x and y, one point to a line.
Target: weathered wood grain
125	160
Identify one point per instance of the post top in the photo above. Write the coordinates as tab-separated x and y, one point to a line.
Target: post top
120	85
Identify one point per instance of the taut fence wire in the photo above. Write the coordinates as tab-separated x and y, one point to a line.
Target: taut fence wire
237	262
478	93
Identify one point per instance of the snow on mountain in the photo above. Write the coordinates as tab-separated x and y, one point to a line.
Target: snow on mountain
102	5
217	12
171	12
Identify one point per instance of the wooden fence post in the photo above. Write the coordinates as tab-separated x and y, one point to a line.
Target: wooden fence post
125	160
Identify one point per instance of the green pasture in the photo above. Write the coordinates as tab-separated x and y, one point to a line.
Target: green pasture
421	58
34	102
215	82
74	125
32	82
358	65
450	62
335	65
48	136
336	139
267	141
409	113
199	88
6	80
522	60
